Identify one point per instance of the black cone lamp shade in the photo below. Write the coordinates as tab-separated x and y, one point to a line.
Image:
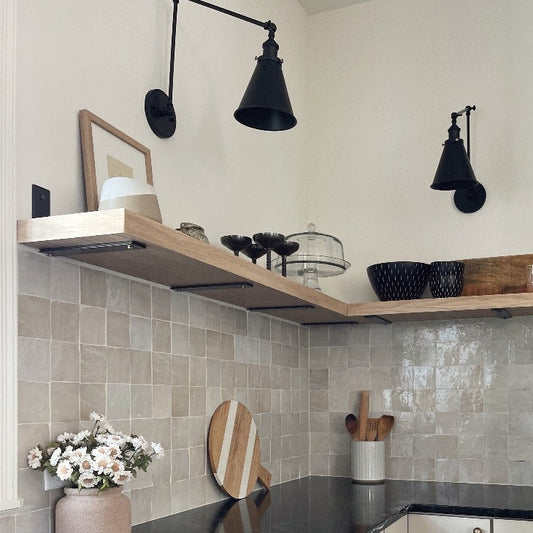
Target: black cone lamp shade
454	170
266	104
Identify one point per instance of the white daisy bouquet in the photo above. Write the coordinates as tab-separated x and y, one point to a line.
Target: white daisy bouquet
100	458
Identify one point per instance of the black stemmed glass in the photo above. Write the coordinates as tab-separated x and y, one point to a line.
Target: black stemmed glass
285	249
269	241
254	251
236	243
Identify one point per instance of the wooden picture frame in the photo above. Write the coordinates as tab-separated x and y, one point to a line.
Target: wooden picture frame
108	152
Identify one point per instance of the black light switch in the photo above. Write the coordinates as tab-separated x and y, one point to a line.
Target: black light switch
40	202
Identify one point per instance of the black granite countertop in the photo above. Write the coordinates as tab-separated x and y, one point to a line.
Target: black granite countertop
336	505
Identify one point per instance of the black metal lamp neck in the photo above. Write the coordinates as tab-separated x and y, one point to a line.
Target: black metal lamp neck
454	130
270	50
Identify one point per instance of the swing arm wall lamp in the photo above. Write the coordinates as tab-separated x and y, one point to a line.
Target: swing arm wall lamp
455	171
265	104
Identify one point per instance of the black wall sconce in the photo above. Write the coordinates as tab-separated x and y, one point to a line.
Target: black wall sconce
455	171
265	104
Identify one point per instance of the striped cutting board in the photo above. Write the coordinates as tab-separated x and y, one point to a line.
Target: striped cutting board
234	452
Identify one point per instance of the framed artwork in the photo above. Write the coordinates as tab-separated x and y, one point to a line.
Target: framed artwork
107	152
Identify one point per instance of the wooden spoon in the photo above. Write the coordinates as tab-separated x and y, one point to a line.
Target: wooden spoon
351	425
372	429
386	422
363	414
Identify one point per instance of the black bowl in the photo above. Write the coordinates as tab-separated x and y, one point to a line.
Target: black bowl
399	280
446	279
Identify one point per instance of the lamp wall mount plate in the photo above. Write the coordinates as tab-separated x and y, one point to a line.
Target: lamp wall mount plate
160	113
470	200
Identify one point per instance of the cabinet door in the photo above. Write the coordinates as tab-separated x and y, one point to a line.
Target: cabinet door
400	526
512	526
427	523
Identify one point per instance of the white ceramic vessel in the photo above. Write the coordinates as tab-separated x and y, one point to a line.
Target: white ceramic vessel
368	461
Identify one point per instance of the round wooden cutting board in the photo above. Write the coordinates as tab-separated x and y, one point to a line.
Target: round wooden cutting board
234	452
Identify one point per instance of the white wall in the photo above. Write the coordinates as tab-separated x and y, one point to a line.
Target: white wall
387	75
372	85
105	56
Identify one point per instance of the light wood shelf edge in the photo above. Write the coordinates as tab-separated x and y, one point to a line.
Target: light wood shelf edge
517	304
120	224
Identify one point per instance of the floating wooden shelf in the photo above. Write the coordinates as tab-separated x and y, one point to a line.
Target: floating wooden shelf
167	257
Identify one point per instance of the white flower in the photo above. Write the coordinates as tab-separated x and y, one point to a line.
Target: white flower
82	435
158	450
69	450
97	417
87	480
121	477
34	458
63	437
114	440
85	463
55	456
101	462
100	450
113	467
77	455
113	451
64	470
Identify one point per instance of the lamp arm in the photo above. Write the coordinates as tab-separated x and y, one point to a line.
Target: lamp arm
466	110
269	25
172	51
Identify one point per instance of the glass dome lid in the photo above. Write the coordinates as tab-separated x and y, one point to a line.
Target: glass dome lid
319	255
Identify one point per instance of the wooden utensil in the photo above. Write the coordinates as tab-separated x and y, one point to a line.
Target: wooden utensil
385	425
351	425
234	452
372	429
363	414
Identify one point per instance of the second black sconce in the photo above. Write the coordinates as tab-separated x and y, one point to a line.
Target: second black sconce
455	171
265	104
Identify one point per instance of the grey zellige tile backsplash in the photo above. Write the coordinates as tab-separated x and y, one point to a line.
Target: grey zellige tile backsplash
156	363
461	392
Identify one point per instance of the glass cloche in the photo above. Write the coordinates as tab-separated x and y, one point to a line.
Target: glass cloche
319	255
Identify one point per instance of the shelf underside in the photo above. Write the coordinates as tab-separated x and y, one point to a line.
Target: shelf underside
176	260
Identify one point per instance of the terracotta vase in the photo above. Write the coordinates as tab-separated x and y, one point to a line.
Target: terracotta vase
86	511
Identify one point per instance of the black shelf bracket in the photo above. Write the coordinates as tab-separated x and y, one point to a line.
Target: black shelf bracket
345	323
93	248
502	313
379	319
212	286
280	307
